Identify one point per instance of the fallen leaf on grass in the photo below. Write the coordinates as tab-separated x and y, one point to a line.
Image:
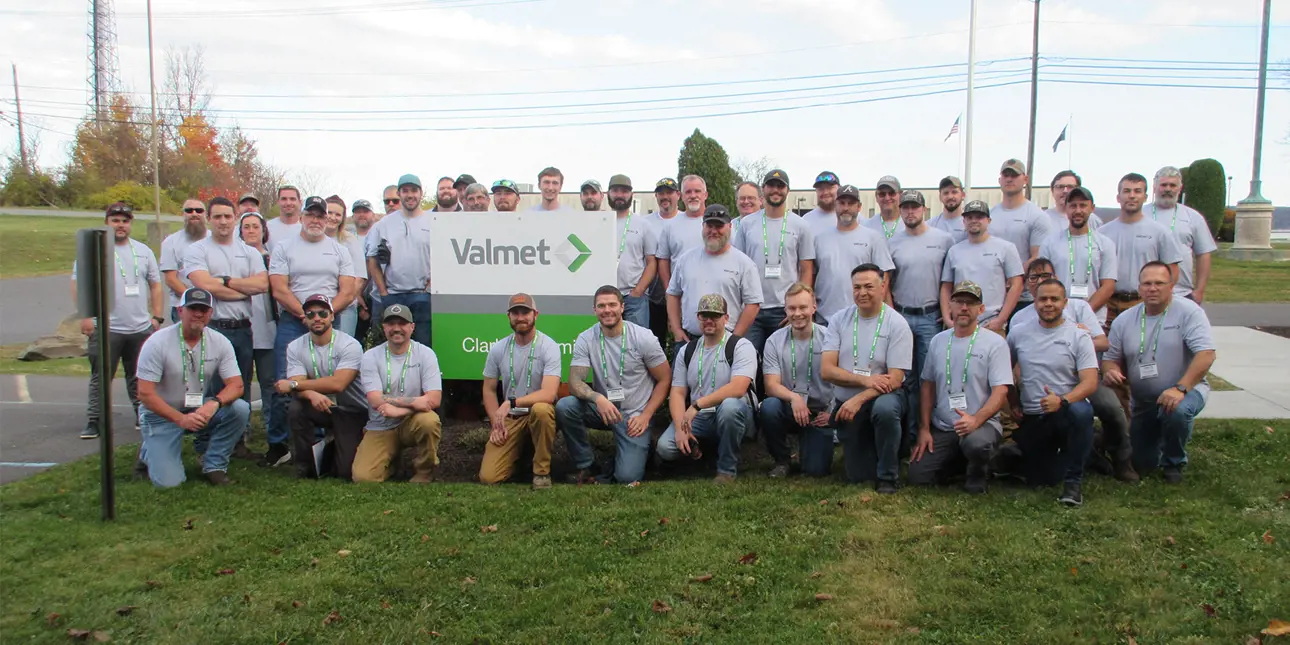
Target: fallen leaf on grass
645	532
344	553
469	580
313	562
86	634
53	619
188	526
333	617
1209	610
634	485
1075	571
425	538
1284	496
816	574
661	607
1182	566
1267	537
226	572
1133	641
385	604
1254	640
663	521
491	528
703	578
151	584
246	599
1277	628
296	604
749	558
126	610
1170	540
824	502
387	512
428	632
324	534
823	596
1267	429
865	499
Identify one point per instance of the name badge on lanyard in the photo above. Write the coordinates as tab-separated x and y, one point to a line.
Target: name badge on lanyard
774	272
615	395
862	371
132	290
1148	370
192	399
1079	291
958	402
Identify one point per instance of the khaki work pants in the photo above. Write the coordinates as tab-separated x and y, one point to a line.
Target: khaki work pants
380	447
539	427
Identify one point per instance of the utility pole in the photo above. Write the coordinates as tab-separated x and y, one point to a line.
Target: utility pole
155	232
1254	213
967	127
1034	100
22	140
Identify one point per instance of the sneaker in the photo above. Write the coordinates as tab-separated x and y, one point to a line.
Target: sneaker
218	478
1124	472
886	487
1173	475
723	478
541	482
976	480
1071	495
779	471
421	478
836	441
277	455
90	432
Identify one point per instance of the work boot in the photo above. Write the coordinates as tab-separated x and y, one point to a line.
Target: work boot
240	451
90	432
1124	471
421	478
588	475
140	471
541	482
218	478
1173	475
977	475
887	487
723	478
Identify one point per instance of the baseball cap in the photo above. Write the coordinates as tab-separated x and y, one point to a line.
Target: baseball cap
621	181
826	177
976	206
409	179
666	183
969	287
521	300
1015	165
119	208
197	297
361	204
912	197
775	175
1080	192
848	190
249	196
505	184
315	203
712	303
950	180
317	299
890	182
397	311
718	213
463	180
593	183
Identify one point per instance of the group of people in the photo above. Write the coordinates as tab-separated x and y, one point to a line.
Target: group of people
863	333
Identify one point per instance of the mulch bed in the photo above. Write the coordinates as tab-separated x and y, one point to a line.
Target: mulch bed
1283	332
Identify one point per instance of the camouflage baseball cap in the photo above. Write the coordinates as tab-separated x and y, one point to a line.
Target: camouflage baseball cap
397	311
889	181
712	303
968	287
912	197
976	206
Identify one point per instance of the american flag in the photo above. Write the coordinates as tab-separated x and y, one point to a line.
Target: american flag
954	129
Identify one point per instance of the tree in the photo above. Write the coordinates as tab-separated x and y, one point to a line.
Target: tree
112	150
27	186
753	170
186	91
1207	191
703	156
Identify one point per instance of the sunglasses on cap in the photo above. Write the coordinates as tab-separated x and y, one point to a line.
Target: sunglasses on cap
504	183
199	210
828	176
317	313
120	210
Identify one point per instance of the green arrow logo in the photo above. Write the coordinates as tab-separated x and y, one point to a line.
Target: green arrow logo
573	253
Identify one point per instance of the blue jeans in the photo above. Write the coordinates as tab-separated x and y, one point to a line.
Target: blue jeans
419	303
1160	439
763	326
347	321
924	327
163	443
1054	447
243	353
815	445
573	416
289	329
871	440
266	376
725	427
636	310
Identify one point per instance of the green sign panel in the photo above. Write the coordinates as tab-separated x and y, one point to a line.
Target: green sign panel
462	341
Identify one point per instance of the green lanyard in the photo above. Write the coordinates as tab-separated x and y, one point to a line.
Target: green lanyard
622	244
1070	246
713	371
622	357
967	358
888	232
1171	224
855	338
1142	333
184	360
528	386
765	243
136	264
330	347
810	356
403	377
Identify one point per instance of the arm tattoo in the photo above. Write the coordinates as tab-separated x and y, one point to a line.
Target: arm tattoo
578	383
401	401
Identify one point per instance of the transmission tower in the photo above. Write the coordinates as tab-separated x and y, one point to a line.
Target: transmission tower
103	79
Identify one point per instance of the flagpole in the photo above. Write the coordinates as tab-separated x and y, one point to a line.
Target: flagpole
960	136
967	127
1070	145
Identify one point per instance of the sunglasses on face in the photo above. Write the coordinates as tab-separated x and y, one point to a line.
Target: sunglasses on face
195	210
317	314
710	316
393	200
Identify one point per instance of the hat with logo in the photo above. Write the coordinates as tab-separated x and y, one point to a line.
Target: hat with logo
504	184
592	183
397	311
521	301
912	197
968	287
976	206
463	180
716	213
666	183
712	303
361	205
849	191
1015	165
1079	192
195	297
827	177
409	180
249	197
316	299
889	181
775	175
620	181
119	208
950	180
315	203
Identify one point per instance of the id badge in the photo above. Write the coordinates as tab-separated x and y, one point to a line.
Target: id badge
132	290
774	272
1079	291
615	395
193	399
958	402
1148	370
518	412
862	371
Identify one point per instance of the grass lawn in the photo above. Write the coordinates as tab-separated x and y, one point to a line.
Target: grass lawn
1220	384
39	245
275	560
9	364
1233	281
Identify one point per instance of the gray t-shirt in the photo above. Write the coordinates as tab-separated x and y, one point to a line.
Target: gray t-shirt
820	222
657	288
637	240
953	226
856	339
1085	274
803	375
679	235
990	367
919	261
798	244
730	274
990	264
1076	311
133	272
173	250
235	260
311	267
710	359
1137	244
178	370
315	362
882	227
1024	226
1049	358
280	231
1170	344
1192	234
410	375
520	368
409	242
1058	222
836	254
606	356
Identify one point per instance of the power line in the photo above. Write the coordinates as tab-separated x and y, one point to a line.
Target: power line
334	10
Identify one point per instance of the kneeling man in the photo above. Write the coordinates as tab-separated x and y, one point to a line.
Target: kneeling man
797	397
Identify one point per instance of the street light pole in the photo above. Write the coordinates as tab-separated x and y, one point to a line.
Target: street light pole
971	73
1034	99
1253	238
156	232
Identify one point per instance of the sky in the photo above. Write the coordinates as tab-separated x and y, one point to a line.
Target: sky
344	96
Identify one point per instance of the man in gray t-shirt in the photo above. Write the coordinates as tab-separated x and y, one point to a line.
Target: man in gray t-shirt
1162	348
1084	260
629	383
717	268
1138	240
406	235
782	247
708	399
1190	230
177	370
990	263
637	252
404	386
843	248
798	399
175	246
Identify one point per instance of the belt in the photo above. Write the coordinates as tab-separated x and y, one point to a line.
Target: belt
1126	295
230	324
918	311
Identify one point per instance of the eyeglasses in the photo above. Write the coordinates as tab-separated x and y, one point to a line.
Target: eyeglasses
317	314
1039	277
195	210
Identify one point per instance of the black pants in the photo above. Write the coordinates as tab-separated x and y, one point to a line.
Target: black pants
122	348
346	429
658	322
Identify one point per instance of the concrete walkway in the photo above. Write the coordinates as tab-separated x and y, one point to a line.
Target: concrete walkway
1259	364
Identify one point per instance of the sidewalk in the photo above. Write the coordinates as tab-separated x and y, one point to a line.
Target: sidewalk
1257	363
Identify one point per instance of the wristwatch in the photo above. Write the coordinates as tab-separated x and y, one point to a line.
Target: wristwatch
1181	388
226	281
159	319
511	401
1065	404
294	385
